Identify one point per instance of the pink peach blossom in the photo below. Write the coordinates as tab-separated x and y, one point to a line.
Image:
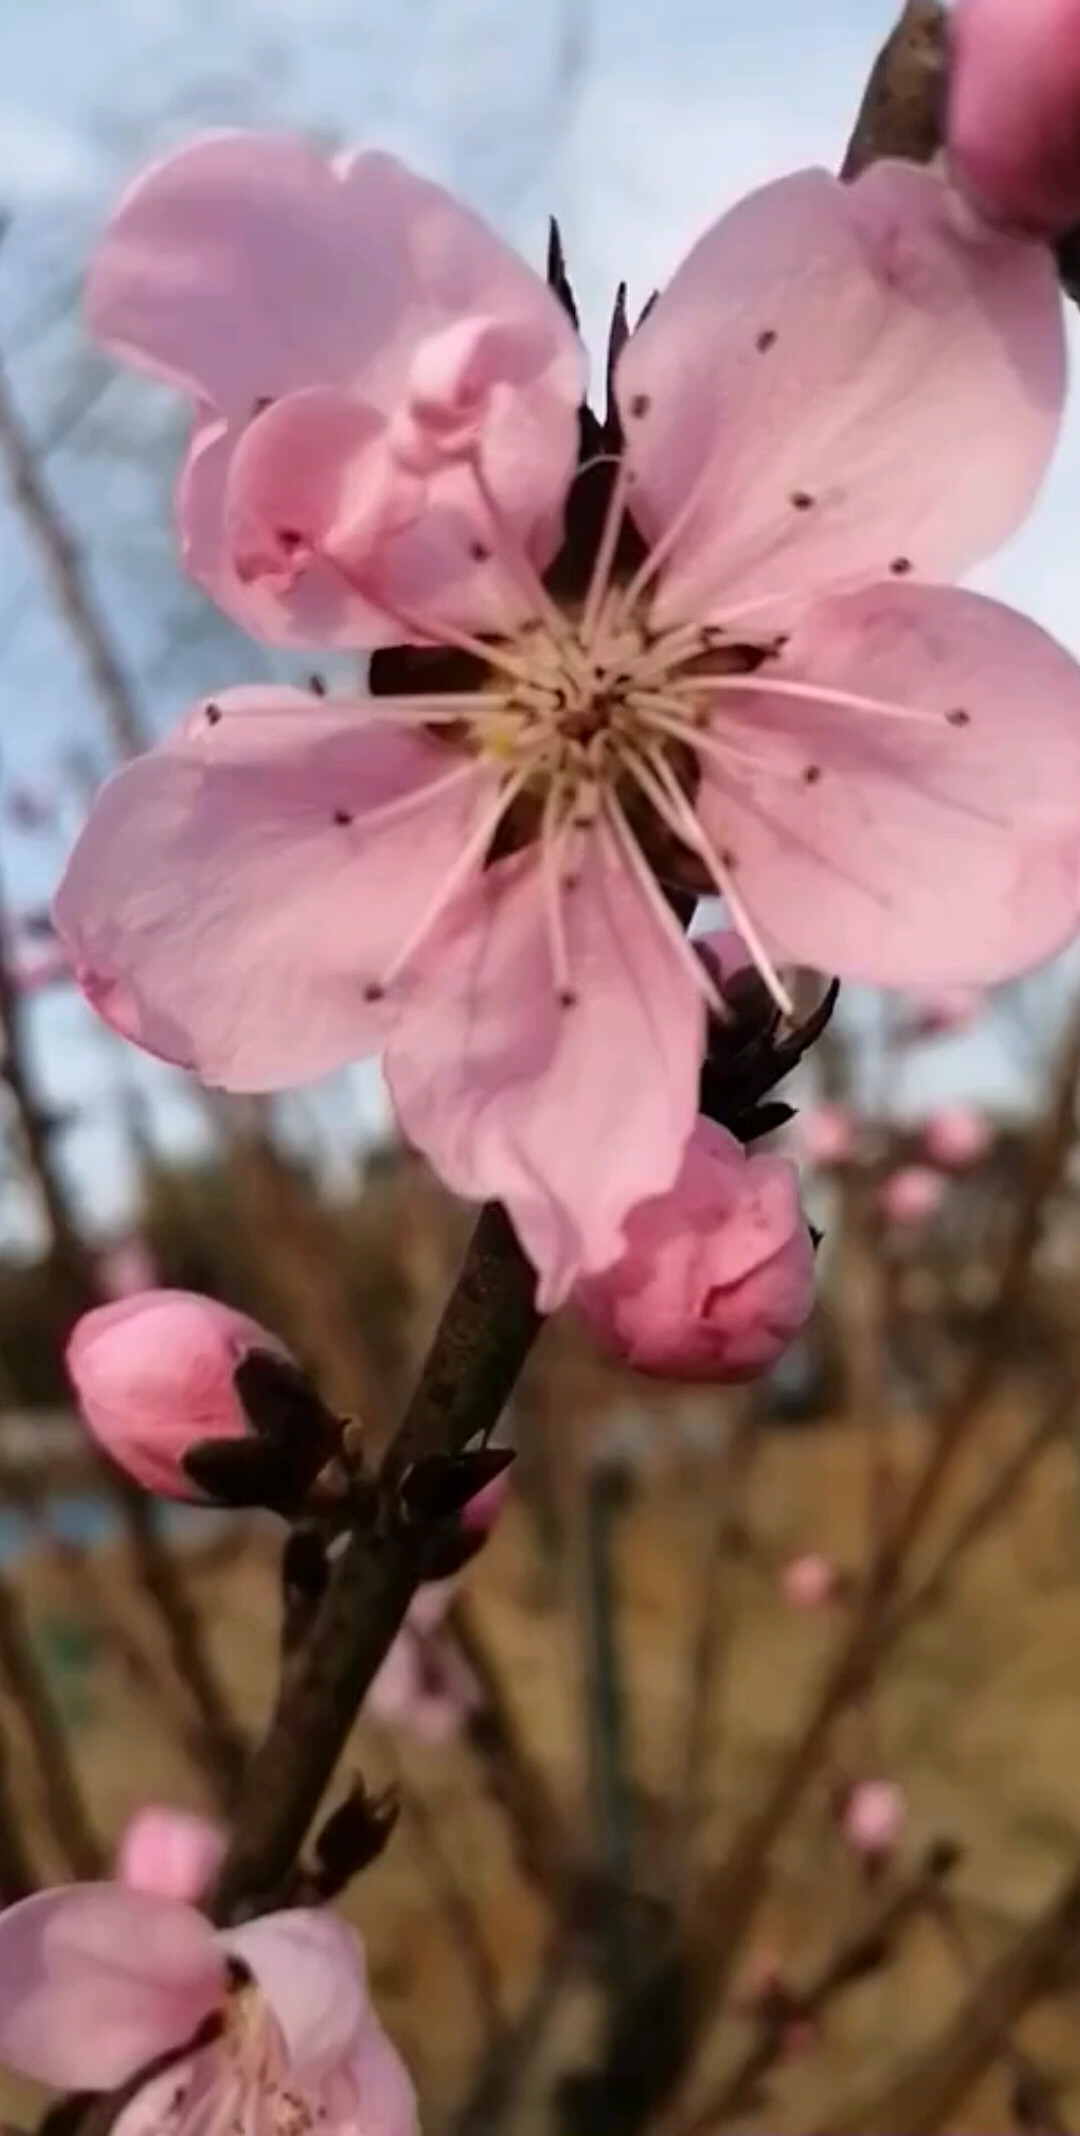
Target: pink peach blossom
956	1137
154	1378
873	1817
842	396
809	1582
826	1135
97	1981
1014	109
912	1194
170	1853
718	1275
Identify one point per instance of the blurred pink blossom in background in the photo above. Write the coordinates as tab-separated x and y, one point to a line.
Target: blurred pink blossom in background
957	1137
873	1817
809	1582
826	1135
169	1852
944	1011
912	1194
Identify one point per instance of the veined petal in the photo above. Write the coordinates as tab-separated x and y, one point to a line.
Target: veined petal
96	1980
310	1967
515	1097
846	380
249	883
940	848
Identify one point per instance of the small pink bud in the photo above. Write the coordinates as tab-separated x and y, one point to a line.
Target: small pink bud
873	1818
827	1135
154	1379
170	1853
809	1582
717	1275
956	1137
912	1195
1013	126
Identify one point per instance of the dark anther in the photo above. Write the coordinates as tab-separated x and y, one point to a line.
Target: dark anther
900	566
802	500
479	552
958	718
342	816
261	404
373	991
317	685
640	404
213	714
812	774
766	338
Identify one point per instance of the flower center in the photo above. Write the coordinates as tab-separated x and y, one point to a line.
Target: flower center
241	2082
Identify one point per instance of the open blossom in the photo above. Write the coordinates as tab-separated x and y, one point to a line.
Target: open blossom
706	644
171	1853
154	1374
718	1275
1014	109
267	2027
956	1137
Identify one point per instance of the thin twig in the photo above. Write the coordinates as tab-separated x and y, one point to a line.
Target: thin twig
541	1843
504	2068
481	1343
603	1487
456	1905
62	1796
928	2091
17	1876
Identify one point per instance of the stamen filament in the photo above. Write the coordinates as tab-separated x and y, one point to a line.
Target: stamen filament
812	693
657	782
471	854
658	904
600	579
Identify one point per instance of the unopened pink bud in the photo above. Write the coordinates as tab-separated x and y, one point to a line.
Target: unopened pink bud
827	1135
170	1853
717	1276
154	1375
912	1195
809	1582
957	1137
1014	110
873	1817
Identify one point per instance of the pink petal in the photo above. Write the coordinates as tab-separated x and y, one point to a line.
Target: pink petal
384	2093
318	609
95	1980
515	1098
310	1967
1014	109
908	852
215	883
230	269
841	377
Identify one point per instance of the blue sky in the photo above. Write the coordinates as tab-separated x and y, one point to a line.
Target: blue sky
636	120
